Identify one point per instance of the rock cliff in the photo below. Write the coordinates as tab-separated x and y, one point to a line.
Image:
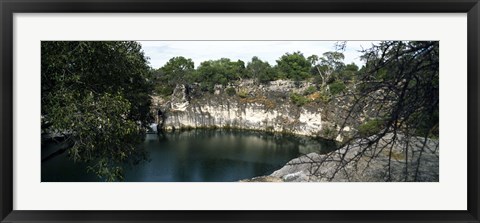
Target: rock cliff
358	163
251	106
247	105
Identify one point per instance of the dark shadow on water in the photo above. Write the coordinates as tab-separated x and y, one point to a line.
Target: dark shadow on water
200	155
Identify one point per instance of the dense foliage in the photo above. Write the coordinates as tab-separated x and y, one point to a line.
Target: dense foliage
295	66
96	94
395	75
177	70
397	93
404	77
260	70
222	71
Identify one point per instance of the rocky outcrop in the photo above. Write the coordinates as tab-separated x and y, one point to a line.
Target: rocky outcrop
255	107
263	179
357	162
269	107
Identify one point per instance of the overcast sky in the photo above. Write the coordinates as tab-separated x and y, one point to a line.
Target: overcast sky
160	52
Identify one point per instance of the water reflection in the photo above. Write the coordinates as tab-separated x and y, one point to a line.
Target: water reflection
201	156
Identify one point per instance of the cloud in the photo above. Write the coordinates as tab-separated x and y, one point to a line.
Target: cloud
160	52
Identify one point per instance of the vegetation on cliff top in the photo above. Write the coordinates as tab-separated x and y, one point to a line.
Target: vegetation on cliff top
98	93
396	91
328	72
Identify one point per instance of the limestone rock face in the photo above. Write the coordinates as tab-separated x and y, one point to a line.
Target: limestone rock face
374	164
179	99
267	108
263	179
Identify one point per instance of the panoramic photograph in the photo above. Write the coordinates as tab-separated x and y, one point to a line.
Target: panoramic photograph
239	111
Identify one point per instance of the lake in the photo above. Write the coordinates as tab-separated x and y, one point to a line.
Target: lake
200	155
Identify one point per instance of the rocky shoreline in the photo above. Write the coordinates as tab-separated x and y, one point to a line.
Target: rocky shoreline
269	108
419	163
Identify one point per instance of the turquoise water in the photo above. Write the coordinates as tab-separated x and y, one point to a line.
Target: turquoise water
201	155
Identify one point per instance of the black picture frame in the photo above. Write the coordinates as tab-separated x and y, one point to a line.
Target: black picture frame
9	7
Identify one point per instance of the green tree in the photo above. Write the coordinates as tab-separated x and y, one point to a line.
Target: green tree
348	72
294	66
325	67
221	71
336	87
97	95
178	70
392	110
260	70
398	88
408	71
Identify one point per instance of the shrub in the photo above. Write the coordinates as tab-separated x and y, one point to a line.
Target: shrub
325	98
370	127
336	87
310	90
164	90
242	94
298	99
329	132
230	91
